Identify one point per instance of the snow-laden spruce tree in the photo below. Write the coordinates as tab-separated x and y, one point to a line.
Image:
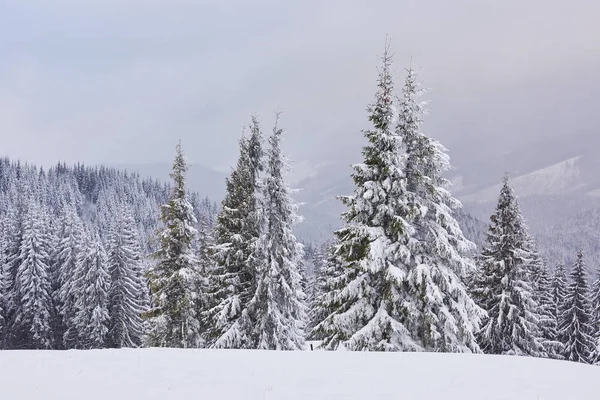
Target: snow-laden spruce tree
31	325
576	328
232	279
559	295
595	302
4	278
277	309
316	285
444	317
372	254
93	280
330	287
402	255
127	288
173	320
542	291
504	288
65	292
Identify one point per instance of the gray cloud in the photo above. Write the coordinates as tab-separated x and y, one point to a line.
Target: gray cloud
121	81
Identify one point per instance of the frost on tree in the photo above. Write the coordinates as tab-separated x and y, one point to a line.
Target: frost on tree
402	256
31	326
232	280
92	279
503	287
277	309
576	328
173	320
127	291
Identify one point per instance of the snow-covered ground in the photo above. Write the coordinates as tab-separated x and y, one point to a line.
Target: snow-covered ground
150	374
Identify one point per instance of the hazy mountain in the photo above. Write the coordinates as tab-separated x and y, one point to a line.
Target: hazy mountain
205	181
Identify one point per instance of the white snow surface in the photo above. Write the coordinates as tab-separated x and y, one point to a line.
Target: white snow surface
238	374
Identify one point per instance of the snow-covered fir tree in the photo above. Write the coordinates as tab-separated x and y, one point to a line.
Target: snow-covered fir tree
33	302
173	319
277	309
127	292
4	278
92	279
444	317
559	296
503	285
330	281
232	280
576	328
595	302
64	263
402	254
372	250
542	291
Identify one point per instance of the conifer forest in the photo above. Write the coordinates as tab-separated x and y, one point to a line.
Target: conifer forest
94	257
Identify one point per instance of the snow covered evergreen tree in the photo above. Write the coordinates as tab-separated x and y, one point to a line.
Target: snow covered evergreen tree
444	317
402	257
373	251
127	291
173	319
232	280
595	301
504	288
4	279
91	316
542	291
66	292
330	281
31	325
277	309
559	295
576	328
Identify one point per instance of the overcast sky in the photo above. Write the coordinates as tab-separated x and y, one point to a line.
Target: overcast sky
119	81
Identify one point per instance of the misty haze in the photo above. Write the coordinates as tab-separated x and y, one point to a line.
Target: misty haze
338	192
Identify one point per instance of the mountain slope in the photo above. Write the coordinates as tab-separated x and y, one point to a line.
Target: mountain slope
237	374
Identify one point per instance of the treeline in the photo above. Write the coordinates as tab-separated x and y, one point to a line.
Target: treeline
73	251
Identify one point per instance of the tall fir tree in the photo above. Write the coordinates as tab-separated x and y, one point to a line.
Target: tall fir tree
232	280
444	317
173	319
91	316
373	252
4	278
595	301
127	290
277	309
559	296
31	328
65	291
402	257
542	291
576	328
330	284
504	288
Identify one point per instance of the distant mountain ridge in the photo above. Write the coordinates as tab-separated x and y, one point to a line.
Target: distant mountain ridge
206	181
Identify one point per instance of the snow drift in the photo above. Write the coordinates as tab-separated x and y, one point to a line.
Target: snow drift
233	374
